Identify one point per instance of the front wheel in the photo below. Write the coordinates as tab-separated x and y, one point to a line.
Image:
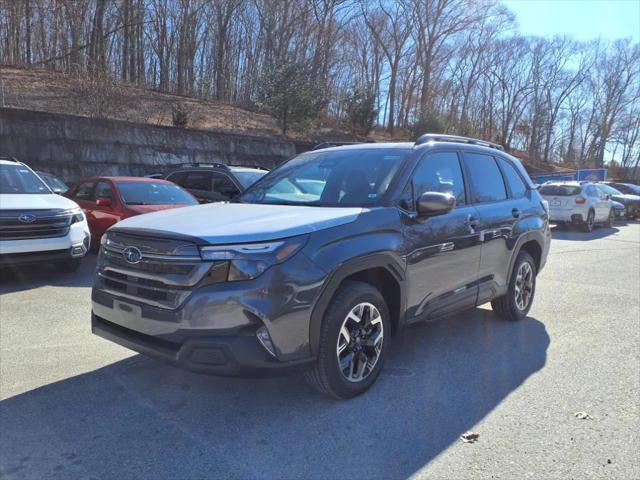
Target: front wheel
353	342
516	303
611	219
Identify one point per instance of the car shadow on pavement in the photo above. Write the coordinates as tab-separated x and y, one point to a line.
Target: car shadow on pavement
26	277
139	418
578	236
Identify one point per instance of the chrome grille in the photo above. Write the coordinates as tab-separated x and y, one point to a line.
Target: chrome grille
47	224
164	277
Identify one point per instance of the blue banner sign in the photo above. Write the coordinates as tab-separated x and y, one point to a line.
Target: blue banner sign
593	174
585	174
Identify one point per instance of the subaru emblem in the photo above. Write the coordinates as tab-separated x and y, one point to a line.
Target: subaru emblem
27	218
132	255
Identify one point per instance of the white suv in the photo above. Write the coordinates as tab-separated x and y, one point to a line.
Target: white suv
578	203
36	225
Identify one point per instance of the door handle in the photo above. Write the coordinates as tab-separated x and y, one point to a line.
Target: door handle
471	221
516	213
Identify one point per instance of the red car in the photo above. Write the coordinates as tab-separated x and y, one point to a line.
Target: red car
107	200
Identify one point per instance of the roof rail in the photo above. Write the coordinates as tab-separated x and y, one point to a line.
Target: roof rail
199	164
436	137
256	167
9	159
322	145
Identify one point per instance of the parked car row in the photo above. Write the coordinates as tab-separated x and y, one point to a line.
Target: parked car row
26	230
588	204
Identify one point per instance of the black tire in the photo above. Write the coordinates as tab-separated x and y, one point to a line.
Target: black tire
610	219
506	307
587	226
326	376
70	265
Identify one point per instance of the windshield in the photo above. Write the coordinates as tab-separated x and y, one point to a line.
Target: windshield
54	182
151	193
19	179
248	178
329	178
560	190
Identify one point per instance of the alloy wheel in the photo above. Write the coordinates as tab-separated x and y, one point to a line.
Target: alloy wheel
360	342
524	286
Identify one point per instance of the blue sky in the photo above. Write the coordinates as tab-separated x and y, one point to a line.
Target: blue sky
580	19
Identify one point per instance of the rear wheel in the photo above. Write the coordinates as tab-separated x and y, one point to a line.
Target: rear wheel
588	224
522	286
353	342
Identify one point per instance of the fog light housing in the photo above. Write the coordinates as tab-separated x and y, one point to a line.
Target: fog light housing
78	251
265	340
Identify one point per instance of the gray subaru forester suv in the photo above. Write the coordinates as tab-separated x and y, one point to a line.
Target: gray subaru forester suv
317	265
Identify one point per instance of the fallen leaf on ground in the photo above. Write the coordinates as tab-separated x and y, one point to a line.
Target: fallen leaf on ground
469	437
583	416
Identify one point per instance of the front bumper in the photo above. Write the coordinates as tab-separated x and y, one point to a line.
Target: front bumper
213	328
49	256
208	353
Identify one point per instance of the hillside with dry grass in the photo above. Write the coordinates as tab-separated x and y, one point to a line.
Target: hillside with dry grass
57	92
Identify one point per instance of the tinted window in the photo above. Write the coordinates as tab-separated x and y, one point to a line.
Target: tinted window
440	172
485	178
345	177
560	190
19	179
85	191
154	193
196	180
103	190
516	185
223	185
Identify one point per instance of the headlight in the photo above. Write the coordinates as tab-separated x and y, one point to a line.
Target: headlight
247	261
77	215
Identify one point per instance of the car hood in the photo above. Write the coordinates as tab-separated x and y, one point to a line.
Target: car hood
139	209
219	223
626	198
36	201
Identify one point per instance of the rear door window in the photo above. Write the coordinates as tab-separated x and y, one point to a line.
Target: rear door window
485	178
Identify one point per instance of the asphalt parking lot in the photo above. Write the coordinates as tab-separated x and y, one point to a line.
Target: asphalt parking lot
75	406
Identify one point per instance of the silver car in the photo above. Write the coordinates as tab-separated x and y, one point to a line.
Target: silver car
578	203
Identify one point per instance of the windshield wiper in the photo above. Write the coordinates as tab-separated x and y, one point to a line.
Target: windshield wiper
136	203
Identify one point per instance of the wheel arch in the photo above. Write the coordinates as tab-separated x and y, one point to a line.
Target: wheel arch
384	271
533	244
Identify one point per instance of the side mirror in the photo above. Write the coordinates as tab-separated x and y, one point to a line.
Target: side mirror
103	202
431	204
608	196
